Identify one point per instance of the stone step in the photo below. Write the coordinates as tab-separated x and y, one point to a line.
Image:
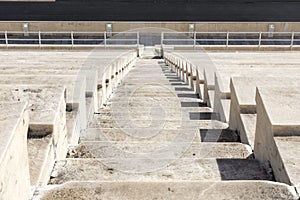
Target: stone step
129	92
90	190
159	150
156	104
162	114
157	124
138	135
149	169
159	135
186	109
153	100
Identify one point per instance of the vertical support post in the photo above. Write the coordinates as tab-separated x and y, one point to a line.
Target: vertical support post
72	39
227	39
195	34
103	90
105	39
198	84
259	40
40	39
6	39
162	39
292	40
138	38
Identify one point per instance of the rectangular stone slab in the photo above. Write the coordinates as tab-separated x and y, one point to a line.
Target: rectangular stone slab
14	168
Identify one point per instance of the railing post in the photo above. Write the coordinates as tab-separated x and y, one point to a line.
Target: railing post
6	39
227	39
195	39
137	38
259	40
40	39
292	40
105	39
72	39
162	39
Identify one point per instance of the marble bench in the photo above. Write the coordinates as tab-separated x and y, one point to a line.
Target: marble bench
75	90
91	80
278	131
243	105
14	168
222	91
47	131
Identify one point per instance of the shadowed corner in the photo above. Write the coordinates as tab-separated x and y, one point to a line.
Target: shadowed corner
242	169
218	135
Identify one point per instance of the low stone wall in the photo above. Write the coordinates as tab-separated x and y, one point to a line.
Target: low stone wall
174	26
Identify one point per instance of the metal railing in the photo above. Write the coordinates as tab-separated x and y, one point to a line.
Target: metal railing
69	39
227	39
223	39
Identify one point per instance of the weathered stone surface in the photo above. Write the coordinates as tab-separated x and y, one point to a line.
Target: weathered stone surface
162	124
288	148
271	123
243	99
75	89
224	110
168	190
14	168
247	130
157	170
142	135
132	150
41	159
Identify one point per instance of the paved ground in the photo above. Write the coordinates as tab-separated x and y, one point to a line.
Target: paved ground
153	10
